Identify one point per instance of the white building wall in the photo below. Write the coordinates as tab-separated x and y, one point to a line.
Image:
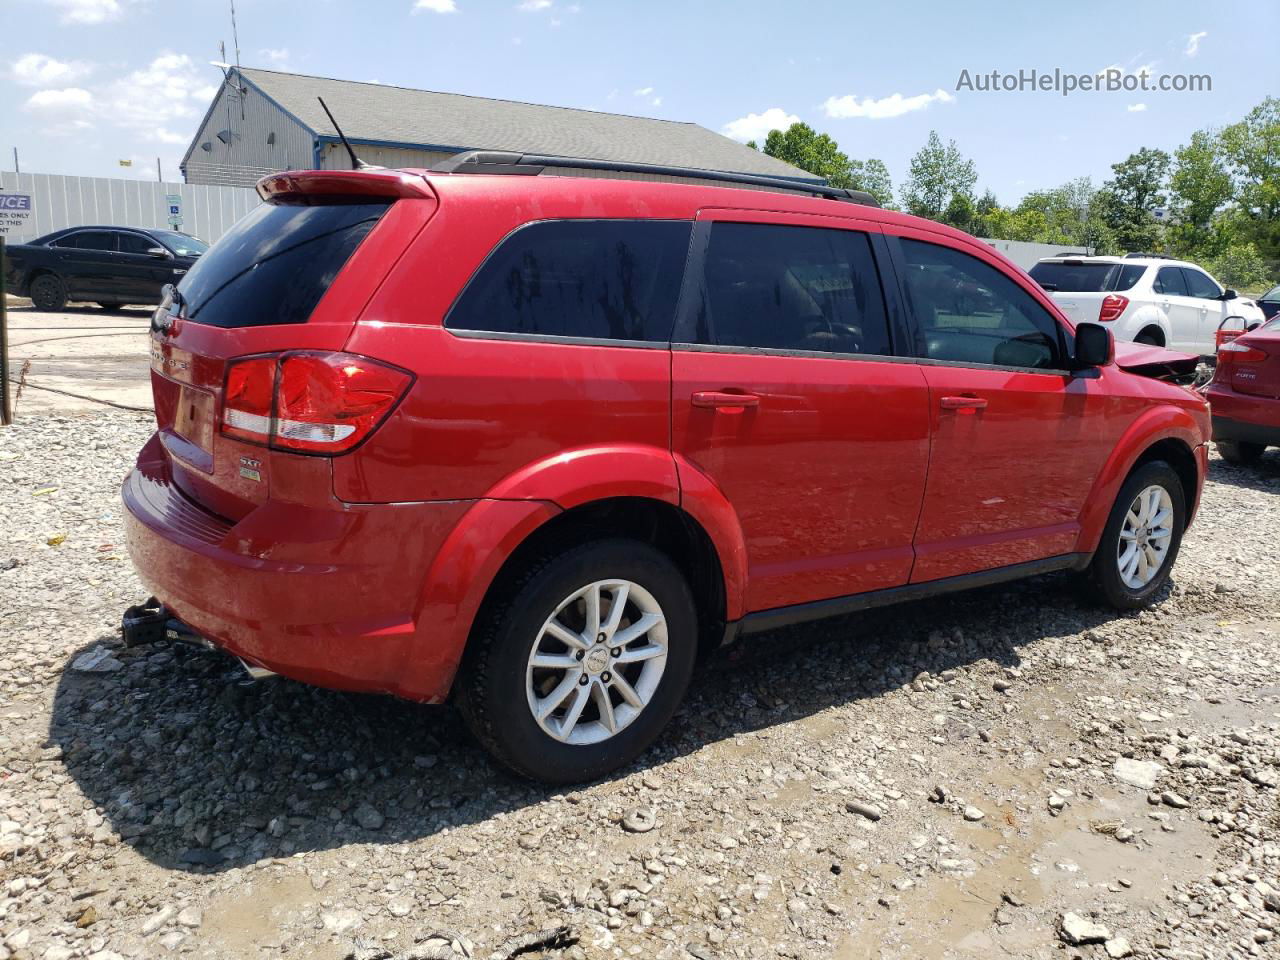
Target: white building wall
262	139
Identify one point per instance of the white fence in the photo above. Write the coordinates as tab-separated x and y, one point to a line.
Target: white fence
33	204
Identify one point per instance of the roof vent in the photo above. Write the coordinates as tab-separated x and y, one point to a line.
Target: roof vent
226	136
207	147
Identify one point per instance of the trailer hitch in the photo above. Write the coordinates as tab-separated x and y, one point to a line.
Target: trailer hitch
150	622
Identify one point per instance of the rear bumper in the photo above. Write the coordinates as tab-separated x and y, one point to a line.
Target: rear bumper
1243	417
326	594
1242	431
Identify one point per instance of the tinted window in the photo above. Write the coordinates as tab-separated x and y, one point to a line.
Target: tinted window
791	288
970	312
1169	281
275	264
1271	295
1200	285
136	243
89	240
1081	277
603	279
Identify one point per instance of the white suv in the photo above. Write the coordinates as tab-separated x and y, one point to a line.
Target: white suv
1146	298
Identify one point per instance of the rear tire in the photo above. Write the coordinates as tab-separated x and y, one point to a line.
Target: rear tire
509	701
48	292
1138	547
1240	453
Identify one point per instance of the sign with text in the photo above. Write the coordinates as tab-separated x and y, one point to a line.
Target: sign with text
15	210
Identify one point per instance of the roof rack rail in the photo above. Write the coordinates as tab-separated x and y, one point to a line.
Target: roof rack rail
1147	256
532	164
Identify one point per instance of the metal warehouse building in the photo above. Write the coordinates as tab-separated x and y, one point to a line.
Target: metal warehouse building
263	121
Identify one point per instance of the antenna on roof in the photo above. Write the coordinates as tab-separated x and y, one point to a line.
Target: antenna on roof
356	162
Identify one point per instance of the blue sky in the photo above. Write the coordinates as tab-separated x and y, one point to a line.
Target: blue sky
90	82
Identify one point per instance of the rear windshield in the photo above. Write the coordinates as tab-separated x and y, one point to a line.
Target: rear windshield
275	264
1082	277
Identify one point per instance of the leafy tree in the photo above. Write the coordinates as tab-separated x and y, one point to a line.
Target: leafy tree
802	146
1133	195
1251	150
939	176
1240	266
1199	185
873	176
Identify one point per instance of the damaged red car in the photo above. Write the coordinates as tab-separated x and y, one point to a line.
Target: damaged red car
533	443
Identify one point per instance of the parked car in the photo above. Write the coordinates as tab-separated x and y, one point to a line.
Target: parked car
1269	302
533	444
1245	394
109	266
1145	298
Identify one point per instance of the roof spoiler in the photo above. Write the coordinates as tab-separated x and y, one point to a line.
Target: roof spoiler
304	186
510	163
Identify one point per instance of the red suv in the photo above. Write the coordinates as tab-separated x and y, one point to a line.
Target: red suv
533	443
1245	394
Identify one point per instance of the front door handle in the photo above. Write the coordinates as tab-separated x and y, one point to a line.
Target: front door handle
964	403
723	399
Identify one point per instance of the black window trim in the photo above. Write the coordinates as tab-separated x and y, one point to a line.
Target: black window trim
895	315
467	333
1066	342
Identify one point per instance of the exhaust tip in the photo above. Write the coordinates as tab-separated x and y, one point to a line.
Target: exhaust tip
255	672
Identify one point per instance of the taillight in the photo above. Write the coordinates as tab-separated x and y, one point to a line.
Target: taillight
1240	353
309	402
1112	306
246	399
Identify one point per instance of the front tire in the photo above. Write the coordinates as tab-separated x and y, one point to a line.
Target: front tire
48	292
1239	453
1141	539
579	661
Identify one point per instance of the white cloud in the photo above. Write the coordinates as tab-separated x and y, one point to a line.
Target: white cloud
656	101
65	100
534	6
436	6
894	105
38	70
1193	42
756	126
274	55
87	11
643	91
646	93
1136	107
1145	68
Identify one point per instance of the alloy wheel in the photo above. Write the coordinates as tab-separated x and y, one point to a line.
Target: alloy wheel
1145	537
597	662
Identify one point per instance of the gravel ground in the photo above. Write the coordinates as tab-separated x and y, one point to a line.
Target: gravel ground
1003	773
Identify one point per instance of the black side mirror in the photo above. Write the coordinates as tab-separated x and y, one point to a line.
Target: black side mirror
1095	346
1228	294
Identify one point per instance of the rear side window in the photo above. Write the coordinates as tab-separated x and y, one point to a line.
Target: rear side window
1085	277
89	240
275	264
970	312
594	279
791	288
1169	281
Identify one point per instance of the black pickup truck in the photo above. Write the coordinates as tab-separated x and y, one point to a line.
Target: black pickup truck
109	266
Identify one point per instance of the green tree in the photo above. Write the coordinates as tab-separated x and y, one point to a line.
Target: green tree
802	146
1133	195
873	176
941	181
1251	151
1198	186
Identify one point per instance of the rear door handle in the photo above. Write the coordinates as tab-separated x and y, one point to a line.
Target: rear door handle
964	403
723	398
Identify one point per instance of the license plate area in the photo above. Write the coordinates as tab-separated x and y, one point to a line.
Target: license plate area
193	418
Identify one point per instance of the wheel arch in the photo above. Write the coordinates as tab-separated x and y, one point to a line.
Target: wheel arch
1167	433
